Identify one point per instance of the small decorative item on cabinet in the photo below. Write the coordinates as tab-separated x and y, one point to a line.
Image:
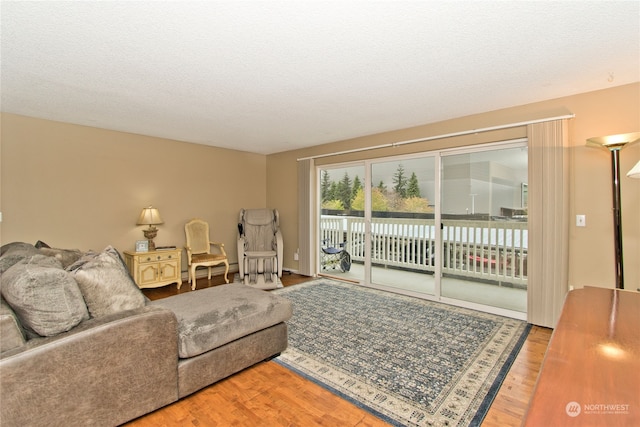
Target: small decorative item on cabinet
142	246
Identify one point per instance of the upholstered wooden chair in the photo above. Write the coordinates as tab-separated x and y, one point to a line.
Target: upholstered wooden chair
199	252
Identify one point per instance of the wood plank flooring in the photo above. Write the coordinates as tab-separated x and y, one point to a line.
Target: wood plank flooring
267	394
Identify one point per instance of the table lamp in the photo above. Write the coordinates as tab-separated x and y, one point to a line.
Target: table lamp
151	217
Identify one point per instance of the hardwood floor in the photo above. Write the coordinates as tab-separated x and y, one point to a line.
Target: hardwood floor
267	394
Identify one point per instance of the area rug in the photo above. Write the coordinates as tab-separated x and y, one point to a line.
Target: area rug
408	361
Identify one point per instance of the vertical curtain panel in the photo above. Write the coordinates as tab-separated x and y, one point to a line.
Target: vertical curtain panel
306	253
548	252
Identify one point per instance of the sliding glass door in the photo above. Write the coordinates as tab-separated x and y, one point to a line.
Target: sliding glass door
484	226
403	242
342	227
448	225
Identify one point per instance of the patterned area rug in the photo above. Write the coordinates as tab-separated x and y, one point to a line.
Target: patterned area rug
408	361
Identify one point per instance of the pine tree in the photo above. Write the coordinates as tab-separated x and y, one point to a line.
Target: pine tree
325	186
344	191
400	182
333	191
413	189
357	185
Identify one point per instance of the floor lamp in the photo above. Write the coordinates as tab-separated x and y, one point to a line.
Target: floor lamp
615	143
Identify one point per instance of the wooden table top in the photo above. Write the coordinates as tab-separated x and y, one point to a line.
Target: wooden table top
591	371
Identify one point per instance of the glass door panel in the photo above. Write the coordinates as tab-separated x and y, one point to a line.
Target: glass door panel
402	224
484	227
342	223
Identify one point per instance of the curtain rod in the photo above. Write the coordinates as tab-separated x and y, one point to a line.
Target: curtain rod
443	136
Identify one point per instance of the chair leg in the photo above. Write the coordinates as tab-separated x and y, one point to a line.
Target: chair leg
193	278
226	270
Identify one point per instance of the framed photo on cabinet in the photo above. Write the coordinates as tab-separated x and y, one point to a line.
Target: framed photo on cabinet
142	246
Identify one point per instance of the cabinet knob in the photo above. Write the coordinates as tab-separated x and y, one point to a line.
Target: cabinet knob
169	256
148	258
159	257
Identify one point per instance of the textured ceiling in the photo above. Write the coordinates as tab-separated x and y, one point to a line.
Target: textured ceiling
267	76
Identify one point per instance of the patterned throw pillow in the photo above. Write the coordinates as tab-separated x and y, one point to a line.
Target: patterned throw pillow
106	284
45	298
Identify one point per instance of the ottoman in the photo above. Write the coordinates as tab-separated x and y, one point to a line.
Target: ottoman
224	329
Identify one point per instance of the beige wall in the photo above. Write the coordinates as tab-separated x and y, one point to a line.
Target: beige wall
611	111
77	186
81	187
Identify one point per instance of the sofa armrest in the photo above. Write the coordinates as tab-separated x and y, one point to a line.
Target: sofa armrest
11	333
103	372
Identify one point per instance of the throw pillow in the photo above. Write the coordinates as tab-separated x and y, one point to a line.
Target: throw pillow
65	256
13	253
106	284
45	298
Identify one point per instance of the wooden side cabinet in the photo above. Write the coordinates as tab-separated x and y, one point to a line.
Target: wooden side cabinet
156	268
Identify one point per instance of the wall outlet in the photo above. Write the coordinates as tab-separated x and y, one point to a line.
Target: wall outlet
581	220
295	255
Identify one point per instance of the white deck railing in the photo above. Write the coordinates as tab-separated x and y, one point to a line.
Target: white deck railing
487	250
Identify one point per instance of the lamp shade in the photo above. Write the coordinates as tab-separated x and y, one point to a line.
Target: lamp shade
635	171
614	142
150	216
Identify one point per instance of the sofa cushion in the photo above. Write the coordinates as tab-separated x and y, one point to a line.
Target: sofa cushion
105	283
13	253
211	317
45	298
11	333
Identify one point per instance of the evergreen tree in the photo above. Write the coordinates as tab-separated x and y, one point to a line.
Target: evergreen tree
325	186
413	189
400	182
333	191
382	187
344	191
357	185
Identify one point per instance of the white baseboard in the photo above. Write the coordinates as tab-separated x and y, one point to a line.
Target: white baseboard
219	270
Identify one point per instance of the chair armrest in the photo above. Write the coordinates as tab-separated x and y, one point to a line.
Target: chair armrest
240	248
105	371
220	247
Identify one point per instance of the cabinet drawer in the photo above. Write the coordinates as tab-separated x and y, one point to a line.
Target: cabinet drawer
157	256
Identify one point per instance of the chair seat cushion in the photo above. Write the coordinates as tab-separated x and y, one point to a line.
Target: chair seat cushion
211	317
260	254
199	258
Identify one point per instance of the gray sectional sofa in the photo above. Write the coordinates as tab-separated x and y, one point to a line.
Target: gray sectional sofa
81	345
